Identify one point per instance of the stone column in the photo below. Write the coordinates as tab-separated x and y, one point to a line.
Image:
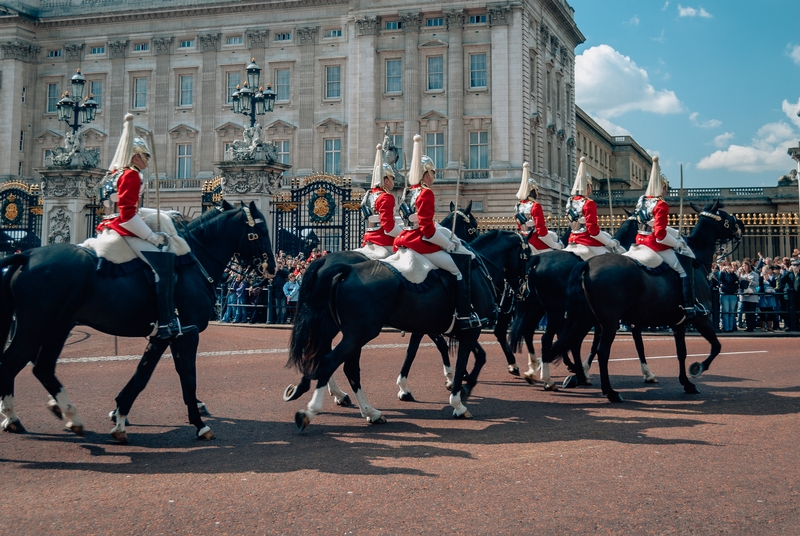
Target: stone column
207	101
162	47
502	86
411	90
115	95
66	192
455	88
363	111
306	82
17	71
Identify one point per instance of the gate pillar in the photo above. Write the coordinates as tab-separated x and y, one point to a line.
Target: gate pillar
69	206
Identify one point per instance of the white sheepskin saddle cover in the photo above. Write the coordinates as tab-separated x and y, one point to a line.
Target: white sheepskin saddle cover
410	264
376	253
644	256
585	252
109	245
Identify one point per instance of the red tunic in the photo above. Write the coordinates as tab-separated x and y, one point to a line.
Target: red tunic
129	187
592	229
384	206
412	238
660	217
539	228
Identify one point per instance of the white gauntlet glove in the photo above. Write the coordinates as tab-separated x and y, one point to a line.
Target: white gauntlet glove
442	239
137	226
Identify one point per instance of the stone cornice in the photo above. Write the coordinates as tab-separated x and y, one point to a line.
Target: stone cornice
19	50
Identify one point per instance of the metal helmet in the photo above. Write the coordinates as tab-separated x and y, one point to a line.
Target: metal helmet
427	164
140	147
388	171
528	183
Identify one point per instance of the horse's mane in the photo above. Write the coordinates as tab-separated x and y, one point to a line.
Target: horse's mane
204	218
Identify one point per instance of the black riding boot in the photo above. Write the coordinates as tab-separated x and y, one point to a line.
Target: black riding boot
466	317
688	287
163	263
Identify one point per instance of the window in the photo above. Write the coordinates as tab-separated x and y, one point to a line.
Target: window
431	23
394	25
287	36
477	19
394	76
184	161
140	92
397	141
141	47
47	154
479	150
19	169
234	40
333	156
188	43
435	72
21	140
96	90
477	70
54	53
52	97
233	80
187	83
98	50
332	82
558	95
333	33
24	92
282	87
283	151
434	145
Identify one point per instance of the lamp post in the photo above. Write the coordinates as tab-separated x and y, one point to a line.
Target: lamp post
253	102
74	111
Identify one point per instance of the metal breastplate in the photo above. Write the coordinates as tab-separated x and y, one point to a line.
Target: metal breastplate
412	220
577	221
644	214
523	214
373	218
109	195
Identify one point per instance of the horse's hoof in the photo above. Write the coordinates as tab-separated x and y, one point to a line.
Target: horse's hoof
120	437
201	407
466	391
113	416
530	378
570	382
690	389
76	429
380	420
301	420
406	397
55	409
465	415
448	385
344	402
14	427
290	393
513	370
615	397
651	380
205	434
696	369
551	387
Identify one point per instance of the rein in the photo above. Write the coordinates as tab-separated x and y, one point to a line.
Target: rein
471	230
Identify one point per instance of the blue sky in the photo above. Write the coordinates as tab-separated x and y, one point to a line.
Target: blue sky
714	86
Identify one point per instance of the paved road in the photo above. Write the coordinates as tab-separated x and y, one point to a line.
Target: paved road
725	461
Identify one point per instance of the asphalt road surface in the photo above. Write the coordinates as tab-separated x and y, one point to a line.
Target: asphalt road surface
725	461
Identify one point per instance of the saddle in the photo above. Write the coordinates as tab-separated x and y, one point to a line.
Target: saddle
648	260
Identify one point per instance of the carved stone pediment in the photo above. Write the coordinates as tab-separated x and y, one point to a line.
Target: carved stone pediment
229	130
49	138
433	43
94	136
432	120
183	131
330	125
280	128
478	123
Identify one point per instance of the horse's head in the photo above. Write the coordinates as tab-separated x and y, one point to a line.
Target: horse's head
626	234
255	242
466	224
719	226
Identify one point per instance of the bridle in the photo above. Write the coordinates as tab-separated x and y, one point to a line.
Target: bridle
471	229
737	236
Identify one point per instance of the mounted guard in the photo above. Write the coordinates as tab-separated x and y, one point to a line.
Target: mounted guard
433	241
120	192
530	216
378	209
652	213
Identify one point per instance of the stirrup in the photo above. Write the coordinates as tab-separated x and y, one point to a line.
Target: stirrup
690	312
469	322
173	329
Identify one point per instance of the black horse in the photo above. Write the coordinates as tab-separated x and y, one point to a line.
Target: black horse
335	301
50	289
612	288
548	275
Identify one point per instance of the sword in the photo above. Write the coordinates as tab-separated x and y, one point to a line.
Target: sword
158	190
458	188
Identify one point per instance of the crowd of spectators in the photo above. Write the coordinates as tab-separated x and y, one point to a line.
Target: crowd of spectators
758	294
244	293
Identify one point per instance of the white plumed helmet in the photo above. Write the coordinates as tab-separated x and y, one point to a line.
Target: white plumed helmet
527	184
656	185
128	146
415	173
581	184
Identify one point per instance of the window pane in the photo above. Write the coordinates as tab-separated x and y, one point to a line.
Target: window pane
96	89
332	87
434	143
233	81
282	84
479	150
184	161
52	97
477	70
283	151
140	92
435	72
394	76
186	90
333	152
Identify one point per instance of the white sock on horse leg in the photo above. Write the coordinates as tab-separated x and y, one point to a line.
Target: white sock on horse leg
317	400
7	409
367	411
68	409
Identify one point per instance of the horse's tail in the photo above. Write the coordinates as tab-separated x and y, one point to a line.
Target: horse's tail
523	309
8	267
313	321
578	312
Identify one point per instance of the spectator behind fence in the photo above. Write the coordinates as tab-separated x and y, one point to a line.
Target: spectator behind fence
728	288
790	286
291	289
278	297
748	282
768	285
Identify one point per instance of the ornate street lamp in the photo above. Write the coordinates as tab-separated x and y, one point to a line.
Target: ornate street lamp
253	102
72	110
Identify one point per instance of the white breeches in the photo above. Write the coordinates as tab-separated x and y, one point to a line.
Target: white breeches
672	261
443	260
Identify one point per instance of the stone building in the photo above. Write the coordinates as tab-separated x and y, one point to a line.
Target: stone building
488	85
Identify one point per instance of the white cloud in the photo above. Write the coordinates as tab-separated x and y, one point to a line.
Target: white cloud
634	21
793	52
711	123
609	84
660	38
666	5
611	128
791	110
723	139
766	152
692	12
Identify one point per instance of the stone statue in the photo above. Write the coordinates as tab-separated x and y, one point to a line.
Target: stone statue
252	148
789	179
391	154
74	153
